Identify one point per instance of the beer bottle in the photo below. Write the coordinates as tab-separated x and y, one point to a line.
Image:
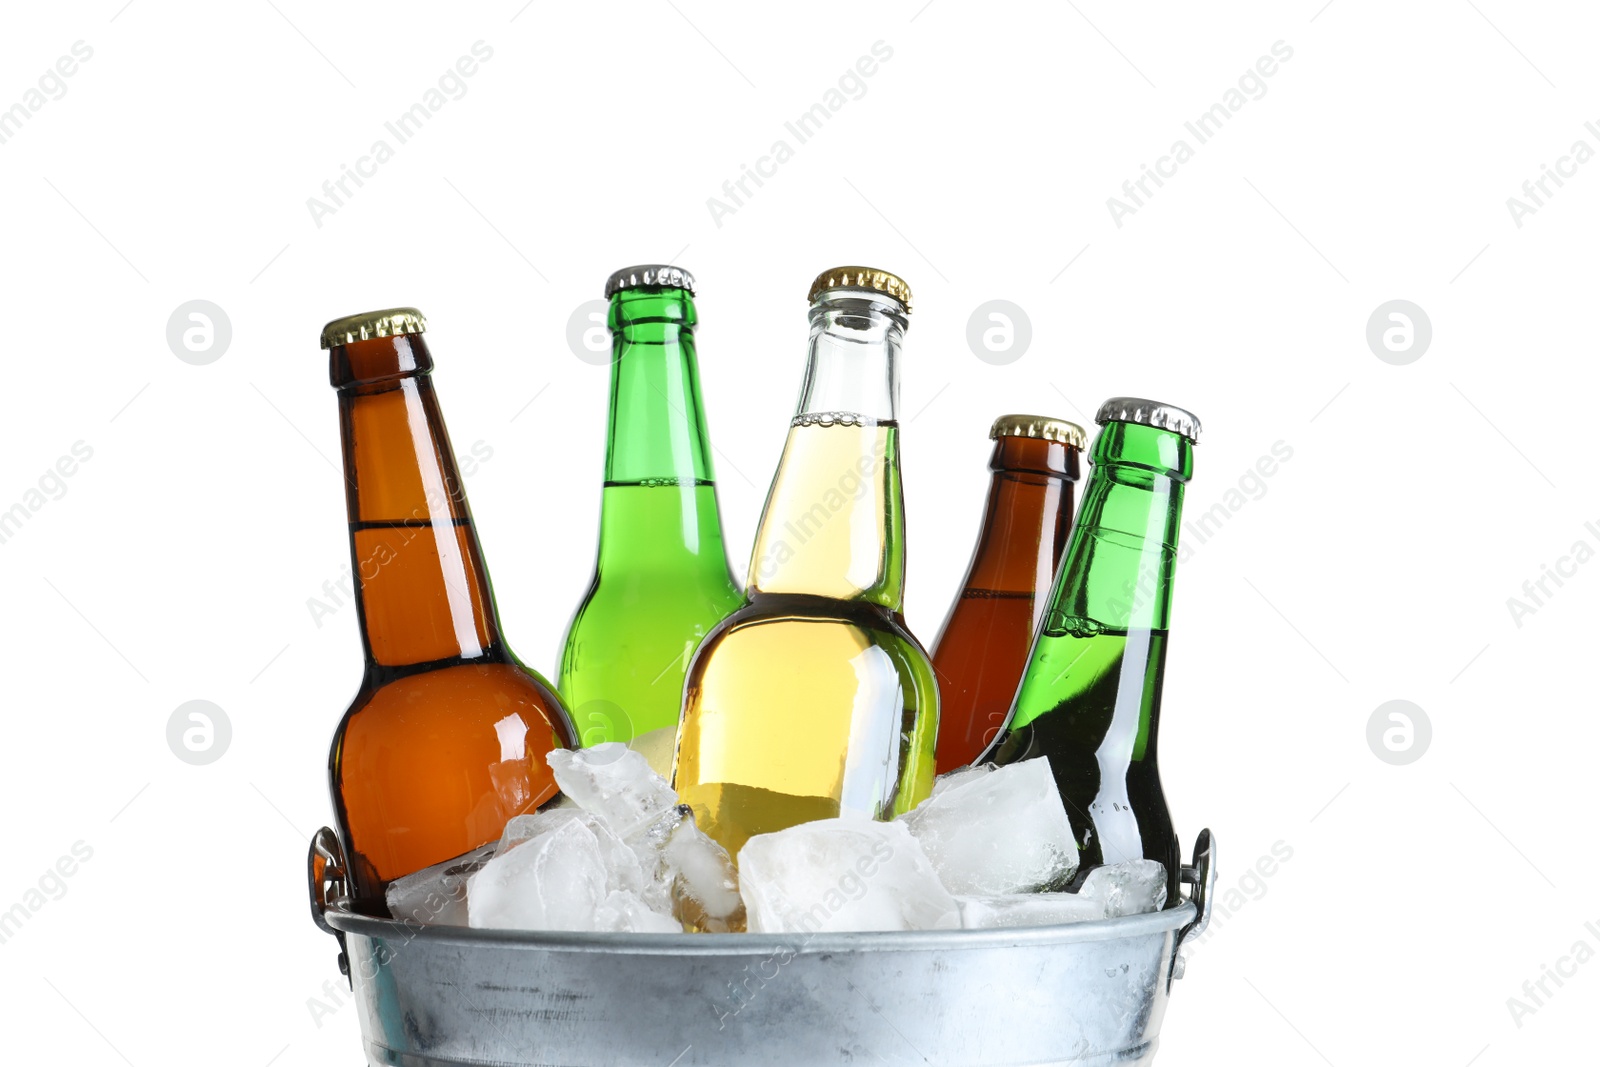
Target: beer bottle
983	645
1090	698
661	579
813	700
445	741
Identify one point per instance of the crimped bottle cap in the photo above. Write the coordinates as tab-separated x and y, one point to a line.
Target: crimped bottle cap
391	322
880	281
1045	429
664	275
1150	413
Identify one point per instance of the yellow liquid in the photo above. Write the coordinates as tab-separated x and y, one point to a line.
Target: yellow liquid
833	524
814	701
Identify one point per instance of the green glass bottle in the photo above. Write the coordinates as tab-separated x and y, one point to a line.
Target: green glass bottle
1090	698
661	578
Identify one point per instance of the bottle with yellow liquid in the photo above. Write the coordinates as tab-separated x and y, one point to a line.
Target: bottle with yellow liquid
814	700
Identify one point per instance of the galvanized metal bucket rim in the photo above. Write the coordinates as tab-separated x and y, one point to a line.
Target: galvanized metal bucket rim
426	992
330	911
1176	917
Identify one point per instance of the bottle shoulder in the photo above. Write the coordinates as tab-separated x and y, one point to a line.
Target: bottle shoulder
457	696
773	618
983	623
664	579
647	597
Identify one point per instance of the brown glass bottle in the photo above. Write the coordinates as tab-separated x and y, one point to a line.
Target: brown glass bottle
446	739
982	648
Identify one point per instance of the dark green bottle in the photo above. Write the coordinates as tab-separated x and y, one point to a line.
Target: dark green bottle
1090	698
661	579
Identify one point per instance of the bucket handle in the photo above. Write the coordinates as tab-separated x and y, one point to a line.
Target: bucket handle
329	881
1202	876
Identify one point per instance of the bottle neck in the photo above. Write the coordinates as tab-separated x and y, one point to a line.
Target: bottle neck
422	592
1027	518
834	522
657	428
853	358
1118	569
659	506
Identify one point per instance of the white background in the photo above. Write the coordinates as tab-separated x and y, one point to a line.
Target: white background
1376	564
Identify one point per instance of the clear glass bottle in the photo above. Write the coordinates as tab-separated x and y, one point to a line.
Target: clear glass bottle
814	700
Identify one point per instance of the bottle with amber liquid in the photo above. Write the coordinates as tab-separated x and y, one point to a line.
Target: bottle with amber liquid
445	741
814	700
983	646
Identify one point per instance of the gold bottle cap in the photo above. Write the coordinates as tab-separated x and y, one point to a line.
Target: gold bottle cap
880	281
391	322
1045	429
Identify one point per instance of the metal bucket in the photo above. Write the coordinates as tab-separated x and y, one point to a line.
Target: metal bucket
1086	994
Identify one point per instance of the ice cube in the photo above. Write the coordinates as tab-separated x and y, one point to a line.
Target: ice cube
688	874
961	776
437	894
997	832
1028	909
623	870
1130	888
613	782
705	887
564	869
647	845
624	912
1110	892
841	874
554	879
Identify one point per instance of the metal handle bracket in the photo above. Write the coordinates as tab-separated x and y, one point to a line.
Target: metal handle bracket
329	882
1202	876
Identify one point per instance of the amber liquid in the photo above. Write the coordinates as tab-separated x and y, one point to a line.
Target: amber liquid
434	762
982	650
813	700
446	739
979	659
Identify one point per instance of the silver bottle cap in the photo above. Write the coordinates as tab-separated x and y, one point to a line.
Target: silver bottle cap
1149	413
650	274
